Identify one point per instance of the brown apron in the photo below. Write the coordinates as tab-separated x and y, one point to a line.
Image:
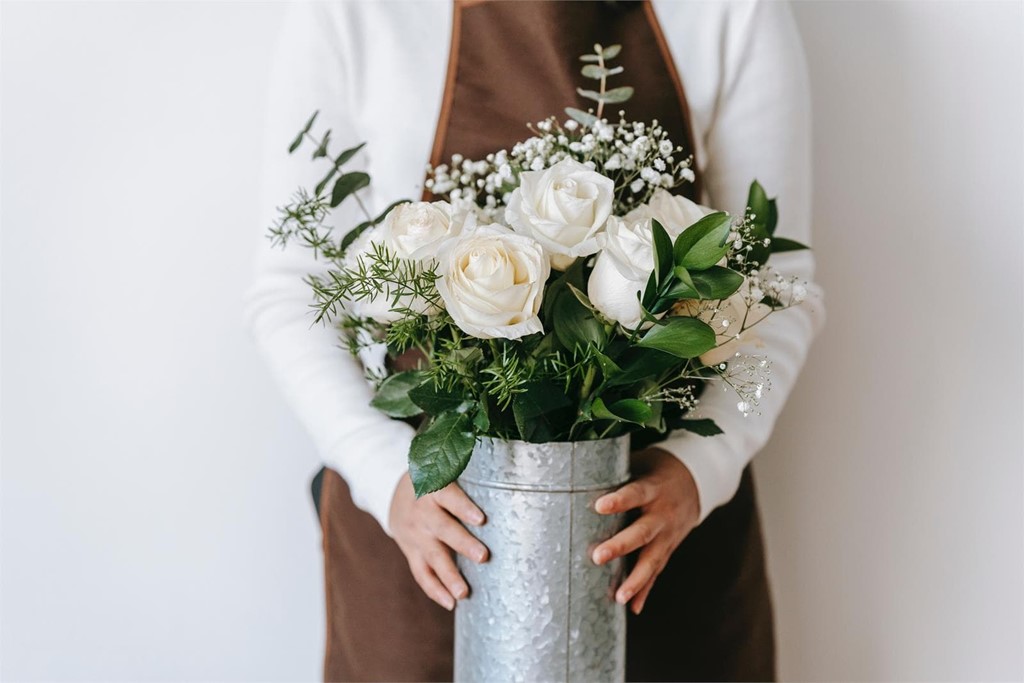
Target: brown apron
709	616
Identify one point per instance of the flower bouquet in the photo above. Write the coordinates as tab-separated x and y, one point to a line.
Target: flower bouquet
558	293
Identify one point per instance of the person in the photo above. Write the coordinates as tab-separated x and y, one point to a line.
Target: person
420	81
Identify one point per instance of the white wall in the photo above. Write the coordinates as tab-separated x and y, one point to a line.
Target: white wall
153	515
893	487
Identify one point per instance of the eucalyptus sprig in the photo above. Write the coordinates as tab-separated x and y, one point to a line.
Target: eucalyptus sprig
597	69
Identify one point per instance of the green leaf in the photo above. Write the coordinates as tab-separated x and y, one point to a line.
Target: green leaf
346	185
348	154
682	337
609	368
589	94
781	244
662	251
716	282
590	58
433	399
393	399
302	133
598	72
323	183
764	213
439	454
539	409
703	244
616	95
321	150
704	427
642	364
611	52
624	410
575	324
584	118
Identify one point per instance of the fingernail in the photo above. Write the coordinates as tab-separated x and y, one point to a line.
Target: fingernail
623	596
449	604
459	591
476	518
602	505
601	555
637	609
480	556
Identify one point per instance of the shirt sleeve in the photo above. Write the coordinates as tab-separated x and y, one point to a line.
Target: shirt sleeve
323	383
760	130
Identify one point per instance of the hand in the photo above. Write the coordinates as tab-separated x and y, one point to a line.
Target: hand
427	531
664	491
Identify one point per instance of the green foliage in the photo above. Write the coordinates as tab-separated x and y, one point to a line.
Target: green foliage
541	411
682	337
703	244
703	427
624	410
393	398
439	454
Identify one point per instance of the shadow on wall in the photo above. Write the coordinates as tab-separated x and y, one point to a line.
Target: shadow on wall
892	489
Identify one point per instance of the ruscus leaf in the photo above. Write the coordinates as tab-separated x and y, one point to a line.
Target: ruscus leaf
624	410
703	427
682	337
662	251
703	244
781	244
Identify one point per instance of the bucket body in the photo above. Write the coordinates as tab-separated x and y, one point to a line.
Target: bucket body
539	609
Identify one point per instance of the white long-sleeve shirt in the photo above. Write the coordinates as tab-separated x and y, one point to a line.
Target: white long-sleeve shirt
376	71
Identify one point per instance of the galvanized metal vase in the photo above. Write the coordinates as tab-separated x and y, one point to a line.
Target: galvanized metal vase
540	609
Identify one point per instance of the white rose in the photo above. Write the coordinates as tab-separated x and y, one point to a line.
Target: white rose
414	230
725	318
492	282
564	208
627	260
622	270
378	308
673	212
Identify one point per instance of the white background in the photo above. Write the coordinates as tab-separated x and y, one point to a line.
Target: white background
154	518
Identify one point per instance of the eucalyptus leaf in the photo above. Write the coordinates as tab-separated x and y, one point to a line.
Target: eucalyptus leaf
393	398
682	337
347	155
439	454
346	185
598	72
302	133
590	58
323	183
580	116
589	94
611	52
321	150
703	244
617	95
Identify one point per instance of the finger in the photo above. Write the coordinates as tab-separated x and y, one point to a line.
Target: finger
456	537
453	499
641	598
632	495
637	535
440	560
648	566
429	583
